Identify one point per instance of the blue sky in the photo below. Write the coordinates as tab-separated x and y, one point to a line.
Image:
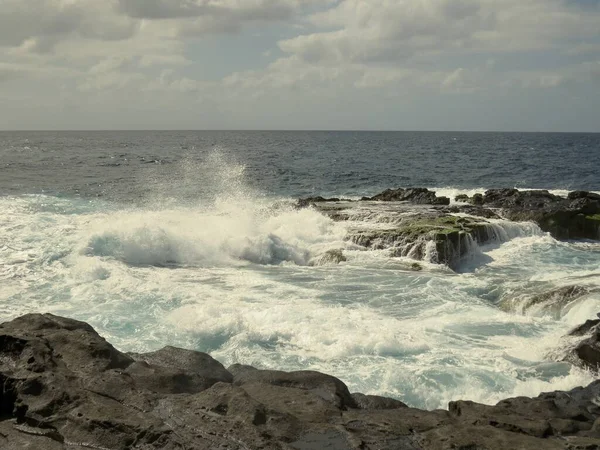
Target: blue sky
530	65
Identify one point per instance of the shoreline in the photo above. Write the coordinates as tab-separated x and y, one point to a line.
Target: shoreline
64	386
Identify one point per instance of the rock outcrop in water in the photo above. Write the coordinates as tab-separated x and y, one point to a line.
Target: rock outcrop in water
417	196
587	352
574	217
447	238
554	302
430	232
423	224
65	387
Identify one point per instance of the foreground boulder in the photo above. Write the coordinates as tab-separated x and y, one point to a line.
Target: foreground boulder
65	387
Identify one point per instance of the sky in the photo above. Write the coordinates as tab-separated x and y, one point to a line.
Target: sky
474	65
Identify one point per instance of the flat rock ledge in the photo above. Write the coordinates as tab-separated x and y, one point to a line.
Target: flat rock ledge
65	387
419	223
575	217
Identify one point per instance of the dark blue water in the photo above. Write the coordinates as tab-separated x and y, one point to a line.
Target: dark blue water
125	165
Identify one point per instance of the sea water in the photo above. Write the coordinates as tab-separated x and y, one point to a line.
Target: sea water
192	239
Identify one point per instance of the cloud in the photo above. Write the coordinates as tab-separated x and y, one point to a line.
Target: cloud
38	25
197	17
384	31
229	9
157	55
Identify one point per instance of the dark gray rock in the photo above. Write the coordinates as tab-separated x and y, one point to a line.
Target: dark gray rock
587	352
477	199
412	233
418	196
187	361
64	387
237	369
583	194
325	386
376	402
585	328
553	301
574	217
306	202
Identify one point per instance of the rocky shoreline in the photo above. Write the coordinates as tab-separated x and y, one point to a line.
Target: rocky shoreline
423	226
65	387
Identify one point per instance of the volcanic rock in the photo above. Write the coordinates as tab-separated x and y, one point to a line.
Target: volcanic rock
65	387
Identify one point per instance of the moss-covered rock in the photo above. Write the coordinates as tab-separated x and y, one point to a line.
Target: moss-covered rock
442	239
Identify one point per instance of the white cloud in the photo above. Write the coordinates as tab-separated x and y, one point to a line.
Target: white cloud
145	52
197	17
385	31
38	25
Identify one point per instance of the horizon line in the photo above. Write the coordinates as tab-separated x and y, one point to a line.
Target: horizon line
64	130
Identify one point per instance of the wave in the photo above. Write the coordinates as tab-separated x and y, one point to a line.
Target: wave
187	236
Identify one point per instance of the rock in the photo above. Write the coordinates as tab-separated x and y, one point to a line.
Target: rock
416	267
187	361
450	236
335	256
552	302
471	210
306	202
574	217
461	198
237	369
584	329
418	196
306	405
583	194
325	386
376	402
587	352
65	387
477	199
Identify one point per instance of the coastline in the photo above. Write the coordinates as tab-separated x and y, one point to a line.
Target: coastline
65	387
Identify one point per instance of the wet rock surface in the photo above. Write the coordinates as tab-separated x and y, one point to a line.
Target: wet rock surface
574	217
65	387
425	226
587	352
554	302
418	196
438	234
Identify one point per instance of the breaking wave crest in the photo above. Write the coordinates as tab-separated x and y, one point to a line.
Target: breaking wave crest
210	237
224	223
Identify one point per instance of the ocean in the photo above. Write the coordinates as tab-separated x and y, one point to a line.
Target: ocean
191	239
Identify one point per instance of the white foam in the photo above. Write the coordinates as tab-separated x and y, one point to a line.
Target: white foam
237	285
206	237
